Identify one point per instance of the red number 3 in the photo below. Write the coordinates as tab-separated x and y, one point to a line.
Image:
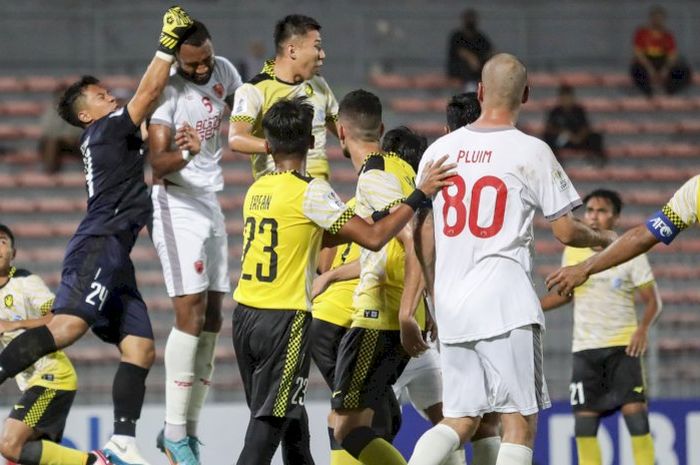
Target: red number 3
456	203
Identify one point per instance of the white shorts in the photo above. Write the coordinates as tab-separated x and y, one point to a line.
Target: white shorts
421	382
189	234
502	374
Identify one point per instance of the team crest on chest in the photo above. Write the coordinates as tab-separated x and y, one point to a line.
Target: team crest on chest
219	90
9	301
199	266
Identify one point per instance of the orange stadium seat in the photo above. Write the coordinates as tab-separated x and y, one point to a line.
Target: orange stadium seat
681	150
10	84
238	177
617	127
71	179
615	79
10	132
690	126
36	179
234	227
17	205
543	79
409	104
579	79
659	127
8	181
121	82
21	157
22	108
601	104
428	128
636	104
42	83
667	103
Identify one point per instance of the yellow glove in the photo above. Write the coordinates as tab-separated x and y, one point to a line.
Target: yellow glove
176	22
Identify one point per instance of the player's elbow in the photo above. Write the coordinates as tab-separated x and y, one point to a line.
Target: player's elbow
374	243
235	142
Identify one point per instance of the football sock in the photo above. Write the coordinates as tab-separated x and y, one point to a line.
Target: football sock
588	450
365	445
339	456
24	350
128	391
486	450
180	350
514	454
261	440
203	369
296	446
435	446
50	453
643	449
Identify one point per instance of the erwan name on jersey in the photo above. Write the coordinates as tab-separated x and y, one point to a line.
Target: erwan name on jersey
260	202
474	156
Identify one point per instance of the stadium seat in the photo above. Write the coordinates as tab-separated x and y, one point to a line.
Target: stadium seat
617	127
21	108
35	179
667	103
607	105
579	79
615	80
428	128
10	84
42	83
543	79
391	81
431	81
409	105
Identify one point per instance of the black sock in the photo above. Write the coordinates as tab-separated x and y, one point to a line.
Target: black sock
357	440
24	350
128	390
261	440
31	453
296	447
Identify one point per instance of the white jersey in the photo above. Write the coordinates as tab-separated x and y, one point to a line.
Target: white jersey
483	229
203	107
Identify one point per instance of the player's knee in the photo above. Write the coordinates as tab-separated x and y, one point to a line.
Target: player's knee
637	423
138	351
586	425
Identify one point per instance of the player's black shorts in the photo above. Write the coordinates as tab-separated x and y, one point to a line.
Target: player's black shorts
369	361
272	349
604	380
45	410
325	342
98	284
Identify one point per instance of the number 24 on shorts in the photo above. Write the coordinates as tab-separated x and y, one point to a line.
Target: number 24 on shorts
454	223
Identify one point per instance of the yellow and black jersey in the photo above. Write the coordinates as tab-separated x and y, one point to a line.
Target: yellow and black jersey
604	313
334	305
24	297
285	214
254	98
385	180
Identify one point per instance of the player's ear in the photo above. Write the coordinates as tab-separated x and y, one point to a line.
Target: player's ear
341	132
84	117
480	92
291	51
526	94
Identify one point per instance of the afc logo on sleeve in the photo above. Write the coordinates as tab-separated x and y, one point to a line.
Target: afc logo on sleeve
559	179
662	227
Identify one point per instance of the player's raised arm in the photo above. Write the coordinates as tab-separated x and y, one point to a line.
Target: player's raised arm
176	22
375	236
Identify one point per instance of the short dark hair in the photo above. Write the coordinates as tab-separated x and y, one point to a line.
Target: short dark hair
406	143
611	196
364	110
6	229
287	126
292	25
462	109
67	103
195	35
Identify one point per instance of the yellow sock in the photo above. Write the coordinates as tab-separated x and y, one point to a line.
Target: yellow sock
588	450
56	454
380	452
643	449
342	457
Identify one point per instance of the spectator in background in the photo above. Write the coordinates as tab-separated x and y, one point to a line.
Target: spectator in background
468	51
58	138
656	62
568	128
252	63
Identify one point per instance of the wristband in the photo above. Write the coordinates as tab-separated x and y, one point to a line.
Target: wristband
165	56
187	156
416	199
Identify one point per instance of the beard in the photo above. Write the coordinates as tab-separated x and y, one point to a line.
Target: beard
200	80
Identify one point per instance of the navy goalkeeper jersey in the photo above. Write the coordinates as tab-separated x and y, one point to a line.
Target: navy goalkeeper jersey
113	159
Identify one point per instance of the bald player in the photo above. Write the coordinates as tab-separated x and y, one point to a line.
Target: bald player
490	340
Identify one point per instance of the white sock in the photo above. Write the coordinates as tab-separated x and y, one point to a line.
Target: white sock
180	353
457	458
486	450
514	454
203	369
435	446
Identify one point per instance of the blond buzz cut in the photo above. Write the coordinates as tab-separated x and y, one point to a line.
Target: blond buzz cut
504	79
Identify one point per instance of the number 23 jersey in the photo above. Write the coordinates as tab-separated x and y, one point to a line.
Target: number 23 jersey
484	238
284	217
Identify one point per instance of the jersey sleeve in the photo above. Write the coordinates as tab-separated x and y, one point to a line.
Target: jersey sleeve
247	104
551	188
38	295
232	77
117	125
379	190
323	206
165	112
678	214
640	271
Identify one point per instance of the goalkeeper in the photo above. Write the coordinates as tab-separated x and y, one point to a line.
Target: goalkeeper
98	286
608	342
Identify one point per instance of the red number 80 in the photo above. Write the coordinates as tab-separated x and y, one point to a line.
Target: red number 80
456	202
